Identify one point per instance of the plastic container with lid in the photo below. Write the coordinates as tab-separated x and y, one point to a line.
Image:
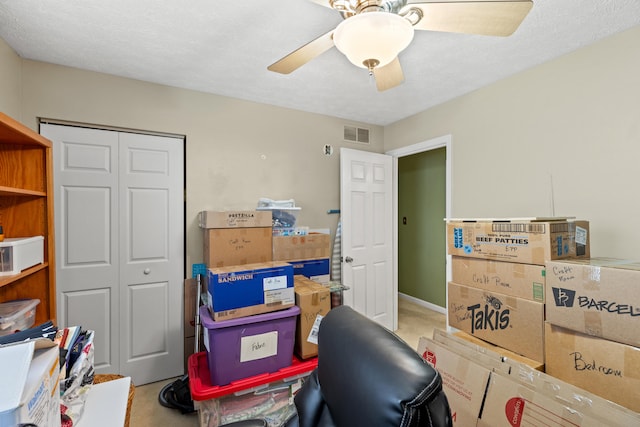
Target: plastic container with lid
268	396
17	315
247	346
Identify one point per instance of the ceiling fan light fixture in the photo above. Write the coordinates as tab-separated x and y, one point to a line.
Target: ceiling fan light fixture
373	36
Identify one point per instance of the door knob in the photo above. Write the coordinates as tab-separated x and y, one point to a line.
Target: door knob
348	259
147	270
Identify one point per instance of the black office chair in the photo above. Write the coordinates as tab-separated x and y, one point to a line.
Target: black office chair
367	377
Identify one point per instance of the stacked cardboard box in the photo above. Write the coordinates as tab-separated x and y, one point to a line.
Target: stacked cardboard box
240	288
310	254
241	279
236	237
498	282
486	389
592	334
229	238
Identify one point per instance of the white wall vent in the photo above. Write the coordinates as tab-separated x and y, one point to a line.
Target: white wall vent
356	134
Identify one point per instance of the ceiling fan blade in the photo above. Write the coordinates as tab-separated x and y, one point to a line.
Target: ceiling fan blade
324	3
489	18
302	55
389	76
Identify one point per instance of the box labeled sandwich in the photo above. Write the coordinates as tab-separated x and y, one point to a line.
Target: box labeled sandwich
244	290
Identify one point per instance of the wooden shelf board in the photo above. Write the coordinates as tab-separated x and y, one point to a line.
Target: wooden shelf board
7	280
12	131
11	191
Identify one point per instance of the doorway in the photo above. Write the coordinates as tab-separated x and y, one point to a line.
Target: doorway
429	291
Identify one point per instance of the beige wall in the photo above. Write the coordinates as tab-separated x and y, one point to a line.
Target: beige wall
9	81
237	151
562	138
567	131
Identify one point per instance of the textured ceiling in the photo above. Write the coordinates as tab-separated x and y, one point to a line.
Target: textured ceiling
225	47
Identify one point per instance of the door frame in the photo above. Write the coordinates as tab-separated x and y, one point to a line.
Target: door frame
431	144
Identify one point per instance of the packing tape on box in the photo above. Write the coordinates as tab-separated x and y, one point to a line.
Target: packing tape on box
519	271
632	362
492	267
593	323
537	253
592	278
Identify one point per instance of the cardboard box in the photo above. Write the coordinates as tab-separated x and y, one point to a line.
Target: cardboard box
576	398
318	270
31	388
513	323
599	297
529	397
510	403
603	367
234	219
244	290
481	346
311	246
237	246
523	241
463	381
314	301
509	278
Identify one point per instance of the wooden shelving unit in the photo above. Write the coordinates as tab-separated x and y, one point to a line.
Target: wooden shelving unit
26	209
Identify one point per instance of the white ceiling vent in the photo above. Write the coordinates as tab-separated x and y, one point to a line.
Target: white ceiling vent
356	134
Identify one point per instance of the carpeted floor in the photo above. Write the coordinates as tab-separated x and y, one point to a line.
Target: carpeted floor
414	321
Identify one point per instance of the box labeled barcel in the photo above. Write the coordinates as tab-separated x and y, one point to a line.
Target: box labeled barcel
598	296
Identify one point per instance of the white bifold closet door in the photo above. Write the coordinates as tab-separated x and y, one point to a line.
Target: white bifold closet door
119	215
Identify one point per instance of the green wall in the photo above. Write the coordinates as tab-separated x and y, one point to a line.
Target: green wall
421	241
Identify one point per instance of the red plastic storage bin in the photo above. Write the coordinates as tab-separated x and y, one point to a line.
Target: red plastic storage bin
268	396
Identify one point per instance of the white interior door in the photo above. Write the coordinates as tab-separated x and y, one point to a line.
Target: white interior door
119	246
86	224
151	257
366	206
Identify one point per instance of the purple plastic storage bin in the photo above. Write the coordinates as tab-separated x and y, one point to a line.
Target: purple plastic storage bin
247	346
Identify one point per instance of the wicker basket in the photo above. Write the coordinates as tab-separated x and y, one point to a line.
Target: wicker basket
102	378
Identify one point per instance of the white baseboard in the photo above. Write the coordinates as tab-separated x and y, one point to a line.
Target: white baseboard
423	303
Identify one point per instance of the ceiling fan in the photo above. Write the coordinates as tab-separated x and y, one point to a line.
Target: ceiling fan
374	32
